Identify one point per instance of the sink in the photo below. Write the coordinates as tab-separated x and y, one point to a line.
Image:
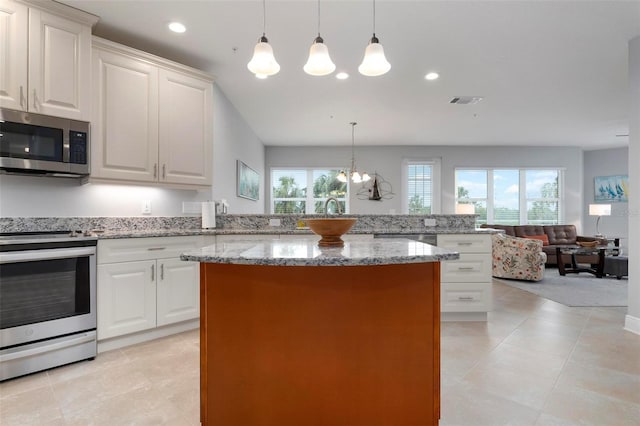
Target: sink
331	229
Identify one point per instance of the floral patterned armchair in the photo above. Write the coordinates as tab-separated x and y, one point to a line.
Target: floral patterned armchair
517	258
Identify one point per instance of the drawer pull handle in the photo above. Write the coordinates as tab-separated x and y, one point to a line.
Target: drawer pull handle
465	298
464	244
156	248
465	268
153	273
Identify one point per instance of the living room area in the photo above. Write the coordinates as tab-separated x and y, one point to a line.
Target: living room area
576	265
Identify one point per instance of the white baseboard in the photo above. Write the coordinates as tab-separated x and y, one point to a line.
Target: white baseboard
632	324
145	336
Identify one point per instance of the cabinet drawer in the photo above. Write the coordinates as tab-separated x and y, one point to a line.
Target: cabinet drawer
465	297
132	249
470	267
465	243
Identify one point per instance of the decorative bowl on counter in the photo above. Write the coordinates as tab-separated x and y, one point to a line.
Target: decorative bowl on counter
331	229
587	243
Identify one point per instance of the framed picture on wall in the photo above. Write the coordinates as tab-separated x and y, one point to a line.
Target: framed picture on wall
612	189
248	182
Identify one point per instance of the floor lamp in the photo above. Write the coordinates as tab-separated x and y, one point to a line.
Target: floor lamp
599	210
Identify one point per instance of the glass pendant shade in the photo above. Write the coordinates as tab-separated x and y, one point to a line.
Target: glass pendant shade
342	176
365	177
319	62
263	63
374	62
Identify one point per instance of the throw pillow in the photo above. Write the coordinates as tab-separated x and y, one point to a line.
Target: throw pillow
544	238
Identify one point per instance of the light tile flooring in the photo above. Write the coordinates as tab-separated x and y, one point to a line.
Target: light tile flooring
535	362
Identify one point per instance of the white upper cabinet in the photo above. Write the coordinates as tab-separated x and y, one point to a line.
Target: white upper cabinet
186	128
45	59
152	118
14	18
125	118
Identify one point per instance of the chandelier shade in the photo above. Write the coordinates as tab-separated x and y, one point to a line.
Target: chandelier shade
356	177
263	63
319	62
374	62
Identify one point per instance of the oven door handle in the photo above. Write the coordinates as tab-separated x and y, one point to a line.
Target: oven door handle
86	337
35	255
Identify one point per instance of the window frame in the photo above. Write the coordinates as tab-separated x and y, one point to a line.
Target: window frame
522	191
309	200
435	164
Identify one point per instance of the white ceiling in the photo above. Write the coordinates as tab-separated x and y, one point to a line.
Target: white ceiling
552	73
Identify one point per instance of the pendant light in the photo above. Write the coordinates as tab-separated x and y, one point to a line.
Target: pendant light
263	63
374	62
356	177
319	62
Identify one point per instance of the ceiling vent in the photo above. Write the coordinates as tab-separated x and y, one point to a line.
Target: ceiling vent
465	100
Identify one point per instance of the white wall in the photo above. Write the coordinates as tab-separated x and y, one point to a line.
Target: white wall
387	161
234	140
25	196
633	311
606	162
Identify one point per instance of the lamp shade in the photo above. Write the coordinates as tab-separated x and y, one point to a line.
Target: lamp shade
319	62
465	209
263	63
599	209
374	62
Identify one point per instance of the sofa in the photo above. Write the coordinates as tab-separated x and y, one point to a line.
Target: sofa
551	236
517	258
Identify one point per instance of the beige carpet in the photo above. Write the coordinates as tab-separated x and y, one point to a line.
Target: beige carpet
581	289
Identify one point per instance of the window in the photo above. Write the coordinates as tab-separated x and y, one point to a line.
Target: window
421	180
305	191
512	196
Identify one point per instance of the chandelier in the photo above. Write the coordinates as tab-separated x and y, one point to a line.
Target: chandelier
319	63
356	177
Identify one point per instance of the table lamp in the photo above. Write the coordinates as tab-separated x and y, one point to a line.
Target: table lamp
599	210
465	209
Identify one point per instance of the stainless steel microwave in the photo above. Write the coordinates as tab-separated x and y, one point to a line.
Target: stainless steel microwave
39	144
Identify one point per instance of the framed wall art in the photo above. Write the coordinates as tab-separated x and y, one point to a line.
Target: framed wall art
248	182
612	189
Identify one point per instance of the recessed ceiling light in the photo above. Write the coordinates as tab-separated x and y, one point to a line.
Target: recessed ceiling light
342	76
432	76
177	27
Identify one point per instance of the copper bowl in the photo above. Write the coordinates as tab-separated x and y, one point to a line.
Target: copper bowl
587	243
331	229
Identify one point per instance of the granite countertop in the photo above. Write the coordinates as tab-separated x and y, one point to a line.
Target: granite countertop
305	252
273	231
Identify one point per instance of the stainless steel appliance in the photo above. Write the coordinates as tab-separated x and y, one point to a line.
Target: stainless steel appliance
39	144
47	301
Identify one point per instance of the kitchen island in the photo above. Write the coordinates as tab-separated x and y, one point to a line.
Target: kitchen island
292	334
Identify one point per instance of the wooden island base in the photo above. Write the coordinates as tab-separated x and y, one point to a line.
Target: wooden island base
320	345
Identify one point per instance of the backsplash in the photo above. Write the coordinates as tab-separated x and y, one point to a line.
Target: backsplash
227	222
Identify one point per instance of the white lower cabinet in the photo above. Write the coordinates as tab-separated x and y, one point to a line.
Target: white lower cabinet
465	292
152	288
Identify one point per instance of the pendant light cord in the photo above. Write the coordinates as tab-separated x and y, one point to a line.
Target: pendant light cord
318	18
264	17
374	18
353	156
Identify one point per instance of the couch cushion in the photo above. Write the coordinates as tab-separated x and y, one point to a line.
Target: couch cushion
544	238
528	230
561	234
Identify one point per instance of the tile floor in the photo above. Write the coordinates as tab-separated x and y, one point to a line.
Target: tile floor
535	362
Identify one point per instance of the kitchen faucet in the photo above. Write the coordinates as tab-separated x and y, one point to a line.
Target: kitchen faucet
326	205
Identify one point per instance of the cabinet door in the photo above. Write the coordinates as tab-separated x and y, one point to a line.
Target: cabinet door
186	129
126	298
125	118
178	293
13	55
59	66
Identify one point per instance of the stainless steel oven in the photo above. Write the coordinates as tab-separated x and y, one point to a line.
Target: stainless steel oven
47	301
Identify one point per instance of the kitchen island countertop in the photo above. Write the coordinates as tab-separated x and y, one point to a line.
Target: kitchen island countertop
305	252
